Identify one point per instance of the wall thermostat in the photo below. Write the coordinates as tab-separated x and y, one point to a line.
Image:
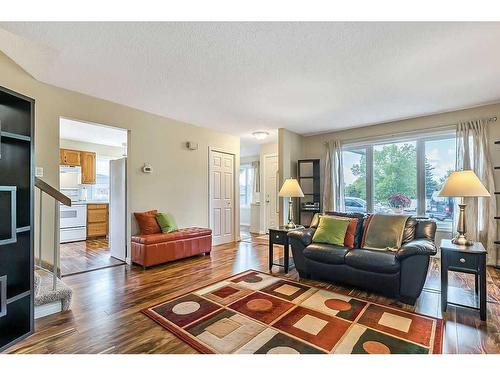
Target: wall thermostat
147	168
192	145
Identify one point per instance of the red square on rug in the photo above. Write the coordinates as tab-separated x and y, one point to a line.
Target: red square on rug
314	327
185	310
261	307
416	328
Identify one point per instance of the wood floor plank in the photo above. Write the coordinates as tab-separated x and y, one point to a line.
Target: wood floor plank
105	316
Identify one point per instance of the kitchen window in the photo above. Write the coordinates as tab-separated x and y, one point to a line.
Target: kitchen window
401	176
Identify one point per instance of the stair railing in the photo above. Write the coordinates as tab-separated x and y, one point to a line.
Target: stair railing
59	197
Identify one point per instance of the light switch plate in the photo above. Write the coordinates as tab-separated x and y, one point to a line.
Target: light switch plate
39	172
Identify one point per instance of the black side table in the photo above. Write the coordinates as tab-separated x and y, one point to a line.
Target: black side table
467	259
278	236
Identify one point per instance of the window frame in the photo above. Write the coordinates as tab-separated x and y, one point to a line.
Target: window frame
420	141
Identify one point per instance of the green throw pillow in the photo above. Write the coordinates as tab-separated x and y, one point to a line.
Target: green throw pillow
331	230
166	222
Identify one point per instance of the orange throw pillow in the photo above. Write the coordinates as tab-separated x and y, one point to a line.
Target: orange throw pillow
147	222
351	233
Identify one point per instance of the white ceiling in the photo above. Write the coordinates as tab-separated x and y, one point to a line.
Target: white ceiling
91	133
243	77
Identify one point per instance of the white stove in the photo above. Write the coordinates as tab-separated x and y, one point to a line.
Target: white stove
73	223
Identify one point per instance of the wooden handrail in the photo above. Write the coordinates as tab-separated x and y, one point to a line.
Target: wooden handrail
53	192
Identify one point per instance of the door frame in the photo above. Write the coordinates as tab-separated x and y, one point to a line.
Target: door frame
128	220
263	189
236	190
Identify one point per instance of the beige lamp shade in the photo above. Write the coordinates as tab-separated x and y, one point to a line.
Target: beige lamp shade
291	189
463	184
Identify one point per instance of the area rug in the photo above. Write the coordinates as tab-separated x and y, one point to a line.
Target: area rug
254	312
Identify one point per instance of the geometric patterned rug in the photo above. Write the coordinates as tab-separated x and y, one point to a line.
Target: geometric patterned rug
254	312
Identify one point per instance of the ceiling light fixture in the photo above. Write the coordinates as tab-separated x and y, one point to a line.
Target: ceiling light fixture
260	135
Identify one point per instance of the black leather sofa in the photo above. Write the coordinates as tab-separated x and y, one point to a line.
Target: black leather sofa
400	275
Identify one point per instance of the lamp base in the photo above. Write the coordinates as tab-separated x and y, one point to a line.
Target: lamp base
290	225
461	240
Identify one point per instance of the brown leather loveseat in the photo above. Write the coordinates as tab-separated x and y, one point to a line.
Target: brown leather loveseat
152	249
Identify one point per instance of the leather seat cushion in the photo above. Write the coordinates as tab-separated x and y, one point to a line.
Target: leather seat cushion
325	253
373	260
180	234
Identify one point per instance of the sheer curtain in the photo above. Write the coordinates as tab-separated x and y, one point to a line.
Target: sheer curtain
333	186
256	176
473	153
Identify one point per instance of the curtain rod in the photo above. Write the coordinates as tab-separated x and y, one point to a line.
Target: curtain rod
409	132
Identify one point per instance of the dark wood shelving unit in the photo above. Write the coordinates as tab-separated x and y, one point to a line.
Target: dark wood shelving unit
309	179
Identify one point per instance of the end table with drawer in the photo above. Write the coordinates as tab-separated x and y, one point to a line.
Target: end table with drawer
467	259
279	236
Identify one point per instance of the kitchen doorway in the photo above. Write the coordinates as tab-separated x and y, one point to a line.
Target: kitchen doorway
93	170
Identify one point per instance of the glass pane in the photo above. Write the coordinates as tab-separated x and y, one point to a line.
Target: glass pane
395	178
354	163
439	163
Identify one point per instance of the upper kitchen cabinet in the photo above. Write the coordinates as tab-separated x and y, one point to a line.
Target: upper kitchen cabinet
88	163
69	157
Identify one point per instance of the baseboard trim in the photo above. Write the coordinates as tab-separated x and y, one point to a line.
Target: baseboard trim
48	309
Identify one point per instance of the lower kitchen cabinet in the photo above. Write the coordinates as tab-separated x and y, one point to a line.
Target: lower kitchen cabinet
97	220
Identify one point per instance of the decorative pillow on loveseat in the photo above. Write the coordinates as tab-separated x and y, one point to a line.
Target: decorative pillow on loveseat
354	230
331	230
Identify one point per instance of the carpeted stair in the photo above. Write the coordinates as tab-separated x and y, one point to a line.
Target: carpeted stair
47	300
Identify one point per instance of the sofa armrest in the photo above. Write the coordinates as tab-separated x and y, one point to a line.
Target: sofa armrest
304	235
419	246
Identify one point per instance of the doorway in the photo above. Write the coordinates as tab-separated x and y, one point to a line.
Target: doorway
93	169
221	197
271	214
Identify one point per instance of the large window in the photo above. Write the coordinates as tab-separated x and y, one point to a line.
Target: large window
400	177
246	184
355	180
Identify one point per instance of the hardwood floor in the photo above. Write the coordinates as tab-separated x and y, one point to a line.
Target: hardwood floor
85	256
105	315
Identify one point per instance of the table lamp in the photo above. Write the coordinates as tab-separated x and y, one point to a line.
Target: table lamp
463	184
290	189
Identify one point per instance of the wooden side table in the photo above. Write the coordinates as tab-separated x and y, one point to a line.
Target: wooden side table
467	259
279	236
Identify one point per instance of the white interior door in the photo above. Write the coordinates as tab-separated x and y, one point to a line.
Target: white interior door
118	208
271	191
222	197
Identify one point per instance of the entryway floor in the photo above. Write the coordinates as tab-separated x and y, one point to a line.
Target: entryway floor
83	256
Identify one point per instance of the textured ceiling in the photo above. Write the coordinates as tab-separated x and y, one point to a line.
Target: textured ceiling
92	133
243	77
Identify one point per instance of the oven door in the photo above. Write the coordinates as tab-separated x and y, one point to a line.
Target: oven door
74	216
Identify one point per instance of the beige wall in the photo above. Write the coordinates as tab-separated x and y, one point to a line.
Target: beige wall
104	150
179	183
290	150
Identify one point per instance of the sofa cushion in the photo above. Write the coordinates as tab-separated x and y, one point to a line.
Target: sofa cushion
373	260
181	234
326	253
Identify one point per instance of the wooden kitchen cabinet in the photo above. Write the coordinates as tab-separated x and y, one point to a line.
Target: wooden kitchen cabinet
69	157
88	163
97	220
